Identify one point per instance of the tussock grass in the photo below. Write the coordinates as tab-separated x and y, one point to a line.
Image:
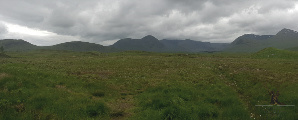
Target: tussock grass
143	85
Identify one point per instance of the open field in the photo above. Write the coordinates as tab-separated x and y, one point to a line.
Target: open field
142	85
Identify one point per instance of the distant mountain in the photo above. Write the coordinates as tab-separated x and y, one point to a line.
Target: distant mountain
147	43
186	45
192	46
174	46
21	45
219	46
150	43
284	39
287	33
249	43
250	39
17	45
80	46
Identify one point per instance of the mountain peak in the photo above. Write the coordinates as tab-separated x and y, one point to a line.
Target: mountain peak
149	37
250	38
286	31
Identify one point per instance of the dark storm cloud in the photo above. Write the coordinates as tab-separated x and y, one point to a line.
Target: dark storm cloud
62	18
23	12
101	20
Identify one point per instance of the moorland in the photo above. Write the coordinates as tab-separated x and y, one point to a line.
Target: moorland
57	84
254	77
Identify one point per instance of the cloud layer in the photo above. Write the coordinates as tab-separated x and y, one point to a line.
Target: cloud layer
104	21
3	29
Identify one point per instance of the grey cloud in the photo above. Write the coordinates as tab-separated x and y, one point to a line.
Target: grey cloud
62	18
100	20
265	23
275	5
3	29
23	12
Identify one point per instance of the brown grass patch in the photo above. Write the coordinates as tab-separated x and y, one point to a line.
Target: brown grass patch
99	74
121	108
20	107
62	87
3	75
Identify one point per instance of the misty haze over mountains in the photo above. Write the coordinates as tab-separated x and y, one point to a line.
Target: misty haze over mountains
285	39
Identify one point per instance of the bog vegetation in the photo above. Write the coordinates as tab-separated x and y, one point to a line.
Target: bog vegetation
143	85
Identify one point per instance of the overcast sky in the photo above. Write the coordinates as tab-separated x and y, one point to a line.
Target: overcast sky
48	22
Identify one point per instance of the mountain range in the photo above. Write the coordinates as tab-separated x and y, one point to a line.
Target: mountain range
284	39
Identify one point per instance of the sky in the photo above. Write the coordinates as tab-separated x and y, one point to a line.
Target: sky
49	22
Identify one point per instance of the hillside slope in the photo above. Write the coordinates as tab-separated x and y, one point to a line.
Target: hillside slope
275	53
150	43
284	39
147	43
17	45
249	43
80	46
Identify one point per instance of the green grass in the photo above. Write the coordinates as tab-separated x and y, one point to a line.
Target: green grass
143	85
276	53
190	102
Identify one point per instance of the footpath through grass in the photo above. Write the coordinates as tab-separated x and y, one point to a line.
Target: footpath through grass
143	85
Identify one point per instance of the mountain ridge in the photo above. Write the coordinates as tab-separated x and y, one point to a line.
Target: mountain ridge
17	45
284	39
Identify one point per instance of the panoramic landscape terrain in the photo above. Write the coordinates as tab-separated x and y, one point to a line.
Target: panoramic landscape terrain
151	79
148	60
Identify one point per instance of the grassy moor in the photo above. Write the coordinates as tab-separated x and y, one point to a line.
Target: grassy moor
50	84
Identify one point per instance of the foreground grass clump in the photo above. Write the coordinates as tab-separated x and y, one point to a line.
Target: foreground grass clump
36	95
96	110
143	85
174	103
190	102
